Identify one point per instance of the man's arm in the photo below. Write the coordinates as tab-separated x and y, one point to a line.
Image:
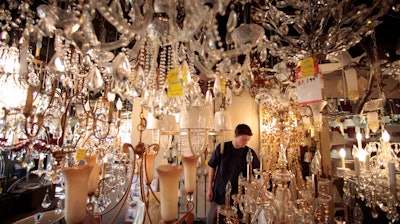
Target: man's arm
211	175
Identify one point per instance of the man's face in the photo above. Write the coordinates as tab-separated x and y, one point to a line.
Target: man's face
242	140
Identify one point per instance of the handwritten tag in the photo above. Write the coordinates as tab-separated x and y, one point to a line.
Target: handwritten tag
309	89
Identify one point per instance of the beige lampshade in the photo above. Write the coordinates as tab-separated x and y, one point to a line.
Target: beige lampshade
149	159
222	121
152	123
76	189
169	183
200	117
189	169
167	124
94	174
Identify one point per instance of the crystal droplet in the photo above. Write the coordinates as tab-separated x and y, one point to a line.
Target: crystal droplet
46	200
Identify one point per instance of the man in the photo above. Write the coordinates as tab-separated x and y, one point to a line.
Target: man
228	164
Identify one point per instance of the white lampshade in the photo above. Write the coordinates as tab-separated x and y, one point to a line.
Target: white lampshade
167	124
197	117
222	121
152	123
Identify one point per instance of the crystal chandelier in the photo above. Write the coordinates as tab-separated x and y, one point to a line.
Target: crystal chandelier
373	179
159	48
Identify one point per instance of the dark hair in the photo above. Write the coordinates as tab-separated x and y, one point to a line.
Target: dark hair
243	129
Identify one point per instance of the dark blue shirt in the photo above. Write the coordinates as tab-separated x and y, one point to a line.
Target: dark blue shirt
229	166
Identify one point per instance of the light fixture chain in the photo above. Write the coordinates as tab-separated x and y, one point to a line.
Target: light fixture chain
375	55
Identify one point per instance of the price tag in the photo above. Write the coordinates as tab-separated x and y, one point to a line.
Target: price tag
309	89
223	86
175	87
307	67
80	154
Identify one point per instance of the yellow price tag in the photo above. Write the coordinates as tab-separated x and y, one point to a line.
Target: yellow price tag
206	162
80	154
307	67
175	87
223	86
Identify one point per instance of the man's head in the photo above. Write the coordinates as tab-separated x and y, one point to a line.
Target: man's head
243	129
242	135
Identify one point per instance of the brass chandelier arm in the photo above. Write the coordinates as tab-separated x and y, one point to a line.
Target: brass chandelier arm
27	111
187	218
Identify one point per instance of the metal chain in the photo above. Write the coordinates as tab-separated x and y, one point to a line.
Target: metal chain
142	125
375	56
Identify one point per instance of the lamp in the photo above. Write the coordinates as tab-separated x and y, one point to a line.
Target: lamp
94	174
149	159
197	119
189	164
376	180
154	125
169	125
165	127
189	169
222	120
76	189
169	183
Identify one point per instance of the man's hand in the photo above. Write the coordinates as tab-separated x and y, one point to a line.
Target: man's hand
209	195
